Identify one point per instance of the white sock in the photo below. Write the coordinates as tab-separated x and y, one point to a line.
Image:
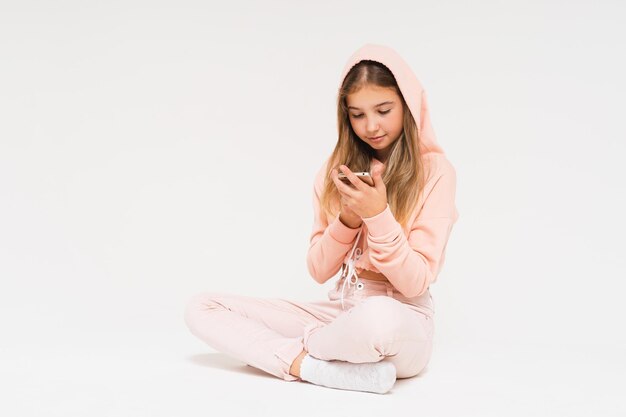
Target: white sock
376	377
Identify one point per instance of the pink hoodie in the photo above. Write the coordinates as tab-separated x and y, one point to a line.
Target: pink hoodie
411	258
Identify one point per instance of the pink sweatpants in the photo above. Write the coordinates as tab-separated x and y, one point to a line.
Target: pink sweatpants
378	323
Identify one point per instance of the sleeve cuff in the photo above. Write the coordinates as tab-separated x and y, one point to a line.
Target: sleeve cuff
342	233
382	223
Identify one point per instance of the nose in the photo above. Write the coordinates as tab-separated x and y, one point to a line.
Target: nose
372	128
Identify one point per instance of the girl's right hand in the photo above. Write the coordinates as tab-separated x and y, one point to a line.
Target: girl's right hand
346	216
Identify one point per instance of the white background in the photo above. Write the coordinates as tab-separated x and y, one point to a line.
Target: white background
153	150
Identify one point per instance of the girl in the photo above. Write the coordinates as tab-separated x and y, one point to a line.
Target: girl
388	237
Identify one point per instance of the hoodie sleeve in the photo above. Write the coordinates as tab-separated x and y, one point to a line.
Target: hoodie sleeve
329	243
412	264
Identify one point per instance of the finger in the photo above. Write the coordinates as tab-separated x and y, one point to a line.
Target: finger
376	176
342	187
334	177
356	181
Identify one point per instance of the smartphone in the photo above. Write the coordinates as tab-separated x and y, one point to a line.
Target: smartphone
365	177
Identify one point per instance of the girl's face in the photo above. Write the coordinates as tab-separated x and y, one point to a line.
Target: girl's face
373	112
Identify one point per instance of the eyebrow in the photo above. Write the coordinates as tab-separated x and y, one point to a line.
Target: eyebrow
378	105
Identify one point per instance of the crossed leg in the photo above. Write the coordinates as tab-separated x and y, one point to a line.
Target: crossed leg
270	333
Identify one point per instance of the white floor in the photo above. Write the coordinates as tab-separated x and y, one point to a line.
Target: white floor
175	375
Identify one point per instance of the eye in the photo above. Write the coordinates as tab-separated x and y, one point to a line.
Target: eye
358	116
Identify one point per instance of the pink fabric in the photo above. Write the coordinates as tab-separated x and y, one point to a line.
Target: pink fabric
269	333
410	258
391	321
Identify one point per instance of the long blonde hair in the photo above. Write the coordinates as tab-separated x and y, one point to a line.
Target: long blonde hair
404	172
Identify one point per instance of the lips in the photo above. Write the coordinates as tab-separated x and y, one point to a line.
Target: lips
377	138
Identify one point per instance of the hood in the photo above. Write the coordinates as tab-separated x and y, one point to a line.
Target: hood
411	88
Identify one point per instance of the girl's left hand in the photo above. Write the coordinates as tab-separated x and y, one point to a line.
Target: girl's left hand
362	198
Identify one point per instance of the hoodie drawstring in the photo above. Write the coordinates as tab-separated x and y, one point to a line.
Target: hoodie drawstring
351	269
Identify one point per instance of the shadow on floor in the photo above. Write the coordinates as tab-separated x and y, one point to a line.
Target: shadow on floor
226	363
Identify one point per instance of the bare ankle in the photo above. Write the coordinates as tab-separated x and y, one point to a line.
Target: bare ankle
294	369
